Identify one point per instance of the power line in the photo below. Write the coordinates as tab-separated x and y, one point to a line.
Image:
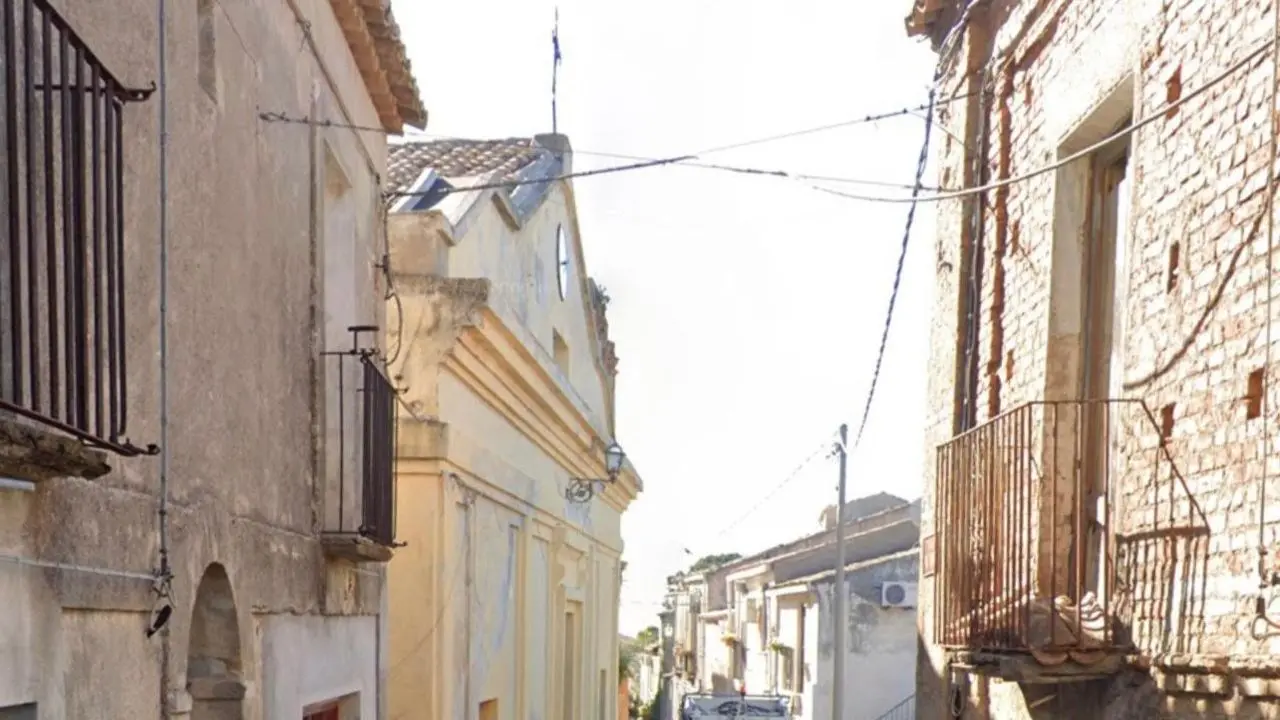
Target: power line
1081	154
901	112
280	117
823	447
921	163
642	162
747	170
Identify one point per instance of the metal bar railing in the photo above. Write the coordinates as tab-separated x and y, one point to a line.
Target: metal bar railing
62	279
361	443
379	455
1026	545
905	710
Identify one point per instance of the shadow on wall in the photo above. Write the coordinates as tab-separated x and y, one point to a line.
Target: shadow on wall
1162	564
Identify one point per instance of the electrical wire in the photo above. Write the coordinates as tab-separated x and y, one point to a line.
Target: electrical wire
921	163
690	160
747	170
234	30
901	112
1062	162
824	447
915	197
863	120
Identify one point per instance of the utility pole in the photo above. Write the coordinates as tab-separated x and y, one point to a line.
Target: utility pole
839	623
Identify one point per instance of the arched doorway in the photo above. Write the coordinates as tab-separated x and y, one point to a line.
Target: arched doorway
213	653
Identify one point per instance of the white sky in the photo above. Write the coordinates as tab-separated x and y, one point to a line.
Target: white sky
747	310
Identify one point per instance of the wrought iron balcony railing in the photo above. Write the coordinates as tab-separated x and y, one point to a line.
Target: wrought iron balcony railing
364	497
1026	540
62	220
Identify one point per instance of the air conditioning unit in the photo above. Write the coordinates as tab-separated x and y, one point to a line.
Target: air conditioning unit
898	594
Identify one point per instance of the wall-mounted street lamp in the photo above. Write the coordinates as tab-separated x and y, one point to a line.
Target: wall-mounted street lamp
581	490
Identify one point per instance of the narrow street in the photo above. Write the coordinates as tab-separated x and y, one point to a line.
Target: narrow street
572	360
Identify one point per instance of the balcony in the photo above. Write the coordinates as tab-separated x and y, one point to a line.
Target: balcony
62	273
360	504
1026	546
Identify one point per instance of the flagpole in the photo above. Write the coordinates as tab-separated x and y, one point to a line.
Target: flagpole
555	67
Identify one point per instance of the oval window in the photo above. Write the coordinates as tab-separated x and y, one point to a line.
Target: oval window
562	261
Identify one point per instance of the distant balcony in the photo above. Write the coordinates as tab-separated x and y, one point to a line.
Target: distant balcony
1026	545
62	232
360	506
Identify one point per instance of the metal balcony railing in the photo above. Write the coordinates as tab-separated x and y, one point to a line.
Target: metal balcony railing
62	220
1026	543
379	441
366	448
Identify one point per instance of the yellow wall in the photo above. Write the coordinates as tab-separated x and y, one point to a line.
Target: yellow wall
500	568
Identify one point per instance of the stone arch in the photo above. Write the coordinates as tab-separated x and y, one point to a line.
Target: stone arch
213	650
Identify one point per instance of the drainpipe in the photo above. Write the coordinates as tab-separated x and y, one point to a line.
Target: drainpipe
468	558
163	573
380	649
976	149
771	661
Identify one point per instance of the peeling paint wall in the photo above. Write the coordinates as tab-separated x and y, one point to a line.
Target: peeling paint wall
294	680
880	644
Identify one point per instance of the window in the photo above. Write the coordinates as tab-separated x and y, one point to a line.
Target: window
64	343
359	398
570	687
1103	286
562	262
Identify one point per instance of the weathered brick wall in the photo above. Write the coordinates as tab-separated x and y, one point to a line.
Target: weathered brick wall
1195	310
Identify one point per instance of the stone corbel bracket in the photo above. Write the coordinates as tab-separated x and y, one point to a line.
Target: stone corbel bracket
29	452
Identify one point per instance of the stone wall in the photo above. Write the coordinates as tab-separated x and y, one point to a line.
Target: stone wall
243	488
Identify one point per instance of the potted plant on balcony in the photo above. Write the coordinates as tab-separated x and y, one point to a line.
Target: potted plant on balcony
778	646
729	639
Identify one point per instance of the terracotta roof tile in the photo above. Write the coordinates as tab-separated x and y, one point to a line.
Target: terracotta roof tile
460	158
374	37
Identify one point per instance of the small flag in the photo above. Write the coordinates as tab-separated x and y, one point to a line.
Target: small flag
555	39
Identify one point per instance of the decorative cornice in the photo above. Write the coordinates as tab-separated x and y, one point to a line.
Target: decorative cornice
500	369
443	309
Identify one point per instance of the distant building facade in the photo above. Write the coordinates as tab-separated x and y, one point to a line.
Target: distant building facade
765	622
